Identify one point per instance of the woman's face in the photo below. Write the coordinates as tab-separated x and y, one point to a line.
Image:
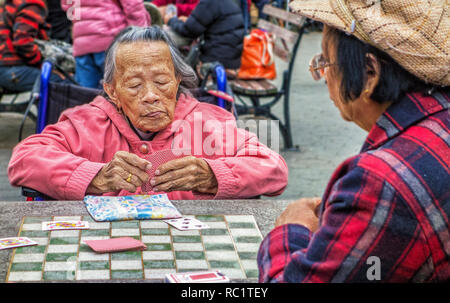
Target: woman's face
144	85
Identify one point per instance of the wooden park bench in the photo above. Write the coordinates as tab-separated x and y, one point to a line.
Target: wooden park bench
287	29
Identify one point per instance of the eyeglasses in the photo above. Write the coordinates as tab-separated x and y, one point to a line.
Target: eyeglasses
317	66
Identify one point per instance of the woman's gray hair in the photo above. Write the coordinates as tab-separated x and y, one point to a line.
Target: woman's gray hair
148	34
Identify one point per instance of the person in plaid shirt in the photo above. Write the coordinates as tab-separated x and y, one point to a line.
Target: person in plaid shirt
384	214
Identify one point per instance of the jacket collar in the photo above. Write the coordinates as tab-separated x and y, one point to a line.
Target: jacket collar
185	105
411	109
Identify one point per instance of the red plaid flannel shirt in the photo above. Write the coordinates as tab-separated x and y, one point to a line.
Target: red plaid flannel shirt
392	202
21	21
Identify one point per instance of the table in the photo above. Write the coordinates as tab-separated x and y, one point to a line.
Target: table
12	213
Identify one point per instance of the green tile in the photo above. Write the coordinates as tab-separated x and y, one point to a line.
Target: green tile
210	218
95	232
247	255
214	231
155	231
158	246
125	224
26	266
58	275
252	273
93	265
64	241
36	249
186	239
60	256
34	234
241	225
245	239
88	219
189	255
126	255
218	246
134	237
127	274
224	264
154	264
29	220
85	248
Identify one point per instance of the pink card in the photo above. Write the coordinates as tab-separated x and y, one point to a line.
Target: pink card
115	245
160	157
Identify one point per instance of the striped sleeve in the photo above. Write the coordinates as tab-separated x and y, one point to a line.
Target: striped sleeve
26	29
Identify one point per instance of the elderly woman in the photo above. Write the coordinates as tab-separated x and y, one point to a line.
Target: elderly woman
385	214
101	147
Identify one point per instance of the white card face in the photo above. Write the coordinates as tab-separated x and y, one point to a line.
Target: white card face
197	277
64	225
186	223
13	242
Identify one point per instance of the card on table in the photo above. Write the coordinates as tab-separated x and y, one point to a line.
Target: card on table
186	223
160	157
64	225
197	277
115	245
14	242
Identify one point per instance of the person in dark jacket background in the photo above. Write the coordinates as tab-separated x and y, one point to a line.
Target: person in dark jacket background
222	25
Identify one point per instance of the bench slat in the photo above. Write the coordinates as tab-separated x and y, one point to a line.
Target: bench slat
284	15
278	30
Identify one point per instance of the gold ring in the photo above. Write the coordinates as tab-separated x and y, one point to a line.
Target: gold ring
129	178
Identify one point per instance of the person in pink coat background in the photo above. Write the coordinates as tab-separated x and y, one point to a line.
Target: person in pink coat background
100	148
95	24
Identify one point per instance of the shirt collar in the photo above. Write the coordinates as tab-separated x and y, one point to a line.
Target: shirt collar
411	109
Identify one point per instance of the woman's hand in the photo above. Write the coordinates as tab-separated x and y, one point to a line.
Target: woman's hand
303	212
185	174
125	171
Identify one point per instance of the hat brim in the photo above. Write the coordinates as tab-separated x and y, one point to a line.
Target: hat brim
318	10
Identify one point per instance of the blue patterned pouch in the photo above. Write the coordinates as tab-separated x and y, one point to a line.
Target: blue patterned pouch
136	207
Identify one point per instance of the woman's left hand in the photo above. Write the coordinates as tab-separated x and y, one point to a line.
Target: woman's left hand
185	174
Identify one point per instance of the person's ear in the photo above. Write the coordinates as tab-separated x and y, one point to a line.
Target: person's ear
111	92
373	71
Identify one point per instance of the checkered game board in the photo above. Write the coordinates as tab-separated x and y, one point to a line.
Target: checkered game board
230	245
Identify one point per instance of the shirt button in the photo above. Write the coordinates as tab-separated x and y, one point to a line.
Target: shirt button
144	149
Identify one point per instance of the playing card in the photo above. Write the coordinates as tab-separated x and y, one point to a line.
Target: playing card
160	157
186	223
13	242
197	277
64	225
115	245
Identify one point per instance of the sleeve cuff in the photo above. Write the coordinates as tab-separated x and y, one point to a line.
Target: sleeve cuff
80	180
226	184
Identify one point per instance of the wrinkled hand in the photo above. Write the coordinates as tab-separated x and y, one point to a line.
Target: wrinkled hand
167	17
185	174
113	176
303	212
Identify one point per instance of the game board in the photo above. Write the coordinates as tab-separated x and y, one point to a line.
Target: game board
230	245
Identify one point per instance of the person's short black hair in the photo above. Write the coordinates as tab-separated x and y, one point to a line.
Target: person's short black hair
394	83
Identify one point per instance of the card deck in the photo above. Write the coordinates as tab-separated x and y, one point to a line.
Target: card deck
14	242
186	223
160	157
64	225
115	245
197	277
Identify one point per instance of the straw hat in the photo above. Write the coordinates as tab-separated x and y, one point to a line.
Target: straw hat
415	33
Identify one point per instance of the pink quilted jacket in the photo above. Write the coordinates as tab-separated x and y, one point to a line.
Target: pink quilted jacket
97	22
62	161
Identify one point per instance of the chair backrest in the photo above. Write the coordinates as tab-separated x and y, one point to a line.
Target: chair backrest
287	29
63	96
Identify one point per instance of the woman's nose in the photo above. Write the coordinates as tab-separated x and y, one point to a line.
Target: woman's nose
150	94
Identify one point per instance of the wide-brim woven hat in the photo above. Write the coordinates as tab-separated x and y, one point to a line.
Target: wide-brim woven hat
415	33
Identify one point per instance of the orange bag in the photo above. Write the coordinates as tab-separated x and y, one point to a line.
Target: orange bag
257	61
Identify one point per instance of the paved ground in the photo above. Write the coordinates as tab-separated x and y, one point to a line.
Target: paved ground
325	140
